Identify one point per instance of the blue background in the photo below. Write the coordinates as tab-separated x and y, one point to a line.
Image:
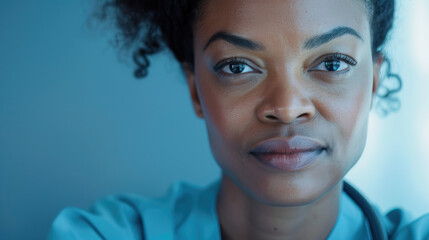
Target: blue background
76	126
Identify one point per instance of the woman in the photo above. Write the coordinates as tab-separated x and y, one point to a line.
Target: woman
285	89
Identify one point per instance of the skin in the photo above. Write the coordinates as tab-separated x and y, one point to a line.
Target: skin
285	92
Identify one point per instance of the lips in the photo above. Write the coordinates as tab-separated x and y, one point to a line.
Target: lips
288	154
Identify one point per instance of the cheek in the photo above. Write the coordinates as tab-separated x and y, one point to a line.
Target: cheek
356	109
349	114
227	116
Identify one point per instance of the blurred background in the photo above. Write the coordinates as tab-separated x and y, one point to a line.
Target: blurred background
76	126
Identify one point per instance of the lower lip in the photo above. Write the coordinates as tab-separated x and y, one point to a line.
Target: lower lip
288	161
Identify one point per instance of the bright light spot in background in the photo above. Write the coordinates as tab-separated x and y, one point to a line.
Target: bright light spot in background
393	169
420	34
425	133
419	38
420	72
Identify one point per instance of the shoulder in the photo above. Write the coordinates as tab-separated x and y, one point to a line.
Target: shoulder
401	225
123	216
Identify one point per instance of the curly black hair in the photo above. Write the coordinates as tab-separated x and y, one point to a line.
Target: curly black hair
149	26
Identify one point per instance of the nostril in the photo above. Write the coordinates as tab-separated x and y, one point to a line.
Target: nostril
271	117
304	115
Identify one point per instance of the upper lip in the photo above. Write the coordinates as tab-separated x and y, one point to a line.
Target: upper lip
288	145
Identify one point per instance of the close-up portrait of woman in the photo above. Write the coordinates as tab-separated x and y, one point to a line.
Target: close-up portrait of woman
282	96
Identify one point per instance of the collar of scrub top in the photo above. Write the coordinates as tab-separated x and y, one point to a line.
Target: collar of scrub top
202	220
378	231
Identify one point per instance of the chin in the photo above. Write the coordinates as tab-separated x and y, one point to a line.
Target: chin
285	191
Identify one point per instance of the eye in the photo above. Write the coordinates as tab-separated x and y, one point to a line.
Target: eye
333	66
233	66
236	68
335	63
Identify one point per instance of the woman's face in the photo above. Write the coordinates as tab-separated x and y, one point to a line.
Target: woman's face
285	88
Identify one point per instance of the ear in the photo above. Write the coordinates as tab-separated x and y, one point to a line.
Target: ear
190	78
377	62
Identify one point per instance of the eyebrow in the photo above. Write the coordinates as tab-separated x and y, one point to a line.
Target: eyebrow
321	39
235	40
313	42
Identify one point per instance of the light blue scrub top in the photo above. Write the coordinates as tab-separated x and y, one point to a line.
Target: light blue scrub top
189	213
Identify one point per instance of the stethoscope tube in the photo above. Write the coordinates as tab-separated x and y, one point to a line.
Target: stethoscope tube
378	231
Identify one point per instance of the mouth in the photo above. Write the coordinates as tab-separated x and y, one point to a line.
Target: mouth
288	154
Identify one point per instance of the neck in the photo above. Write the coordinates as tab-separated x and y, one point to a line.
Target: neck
243	217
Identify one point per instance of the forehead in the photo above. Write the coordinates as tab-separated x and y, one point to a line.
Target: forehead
286	21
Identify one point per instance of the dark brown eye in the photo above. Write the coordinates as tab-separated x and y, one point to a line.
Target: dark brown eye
332	65
237	67
234	66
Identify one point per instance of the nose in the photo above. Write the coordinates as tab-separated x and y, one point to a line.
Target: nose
286	101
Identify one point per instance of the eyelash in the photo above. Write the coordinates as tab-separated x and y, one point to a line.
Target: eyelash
234	60
335	57
339	56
